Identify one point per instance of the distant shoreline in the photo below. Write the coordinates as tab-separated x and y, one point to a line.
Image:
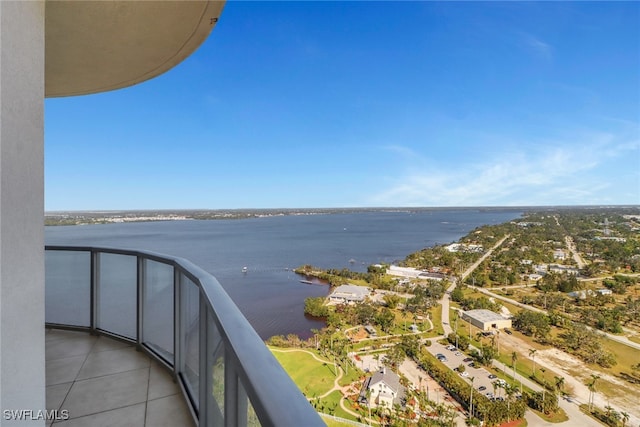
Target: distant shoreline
61	218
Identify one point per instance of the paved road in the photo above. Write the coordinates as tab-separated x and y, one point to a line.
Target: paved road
576	255
621	339
444	301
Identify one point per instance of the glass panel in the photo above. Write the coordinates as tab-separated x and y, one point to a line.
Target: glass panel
157	321
68	287
189	333
215	359
117	294
252	418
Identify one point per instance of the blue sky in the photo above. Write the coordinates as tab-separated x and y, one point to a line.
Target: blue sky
341	104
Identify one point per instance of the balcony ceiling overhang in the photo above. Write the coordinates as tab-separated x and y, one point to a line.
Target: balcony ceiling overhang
97	46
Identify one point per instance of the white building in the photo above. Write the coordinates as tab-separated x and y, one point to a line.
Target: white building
464	247
486	320
349	294
409	272
556	268
559	254
385	389
414	273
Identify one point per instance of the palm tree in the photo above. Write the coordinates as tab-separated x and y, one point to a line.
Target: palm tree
608	410
315	333
514	357
625	418
592	389
471	397
559	383
532	354
368	394
510	391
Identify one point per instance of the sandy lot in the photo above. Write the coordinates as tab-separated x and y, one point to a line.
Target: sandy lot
576	373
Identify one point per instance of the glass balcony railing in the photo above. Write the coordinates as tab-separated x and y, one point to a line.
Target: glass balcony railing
181	316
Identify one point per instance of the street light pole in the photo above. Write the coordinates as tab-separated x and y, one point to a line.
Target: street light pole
471	398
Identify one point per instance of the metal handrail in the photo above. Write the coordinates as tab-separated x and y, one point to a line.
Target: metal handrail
251	371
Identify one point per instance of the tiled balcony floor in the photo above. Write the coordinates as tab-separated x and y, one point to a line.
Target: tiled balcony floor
105	382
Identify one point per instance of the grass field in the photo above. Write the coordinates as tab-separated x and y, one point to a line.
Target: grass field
314	378
557	417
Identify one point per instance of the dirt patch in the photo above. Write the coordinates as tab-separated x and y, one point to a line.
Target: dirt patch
358	334
577	374
623	397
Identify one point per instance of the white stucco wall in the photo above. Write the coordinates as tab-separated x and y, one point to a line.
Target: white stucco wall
22	352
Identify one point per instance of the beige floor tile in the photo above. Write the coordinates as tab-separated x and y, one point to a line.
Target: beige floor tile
113	361
56	395
60	334
107	392
168	411
67	346
161	383
106	382
65	370
105	344
129	416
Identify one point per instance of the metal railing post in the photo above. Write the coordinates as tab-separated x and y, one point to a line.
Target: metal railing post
94	294
204	371
178	354
141	270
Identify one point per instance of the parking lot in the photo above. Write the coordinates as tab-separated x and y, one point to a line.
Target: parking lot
483	380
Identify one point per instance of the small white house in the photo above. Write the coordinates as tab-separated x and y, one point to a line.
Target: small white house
346	294
385	389
408	272
559	254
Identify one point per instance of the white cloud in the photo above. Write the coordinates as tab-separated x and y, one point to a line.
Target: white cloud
538	46
555	172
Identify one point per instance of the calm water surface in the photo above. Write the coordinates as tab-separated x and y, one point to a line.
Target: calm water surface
269	294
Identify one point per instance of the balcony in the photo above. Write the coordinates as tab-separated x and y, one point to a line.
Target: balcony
165	344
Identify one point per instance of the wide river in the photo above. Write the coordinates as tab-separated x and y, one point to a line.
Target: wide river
269	294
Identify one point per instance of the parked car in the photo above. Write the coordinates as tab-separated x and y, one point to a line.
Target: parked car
508	331
457	353
482	388
472	364
464	374
492	377
467	359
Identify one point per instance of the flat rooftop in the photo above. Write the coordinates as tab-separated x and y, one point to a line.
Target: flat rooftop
105	382
483	315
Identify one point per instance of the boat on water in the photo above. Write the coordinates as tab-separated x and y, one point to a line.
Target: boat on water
245	269
308	282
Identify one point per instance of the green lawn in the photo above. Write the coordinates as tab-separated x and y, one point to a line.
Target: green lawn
315	378
331	405
436	319
558	417
312	377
